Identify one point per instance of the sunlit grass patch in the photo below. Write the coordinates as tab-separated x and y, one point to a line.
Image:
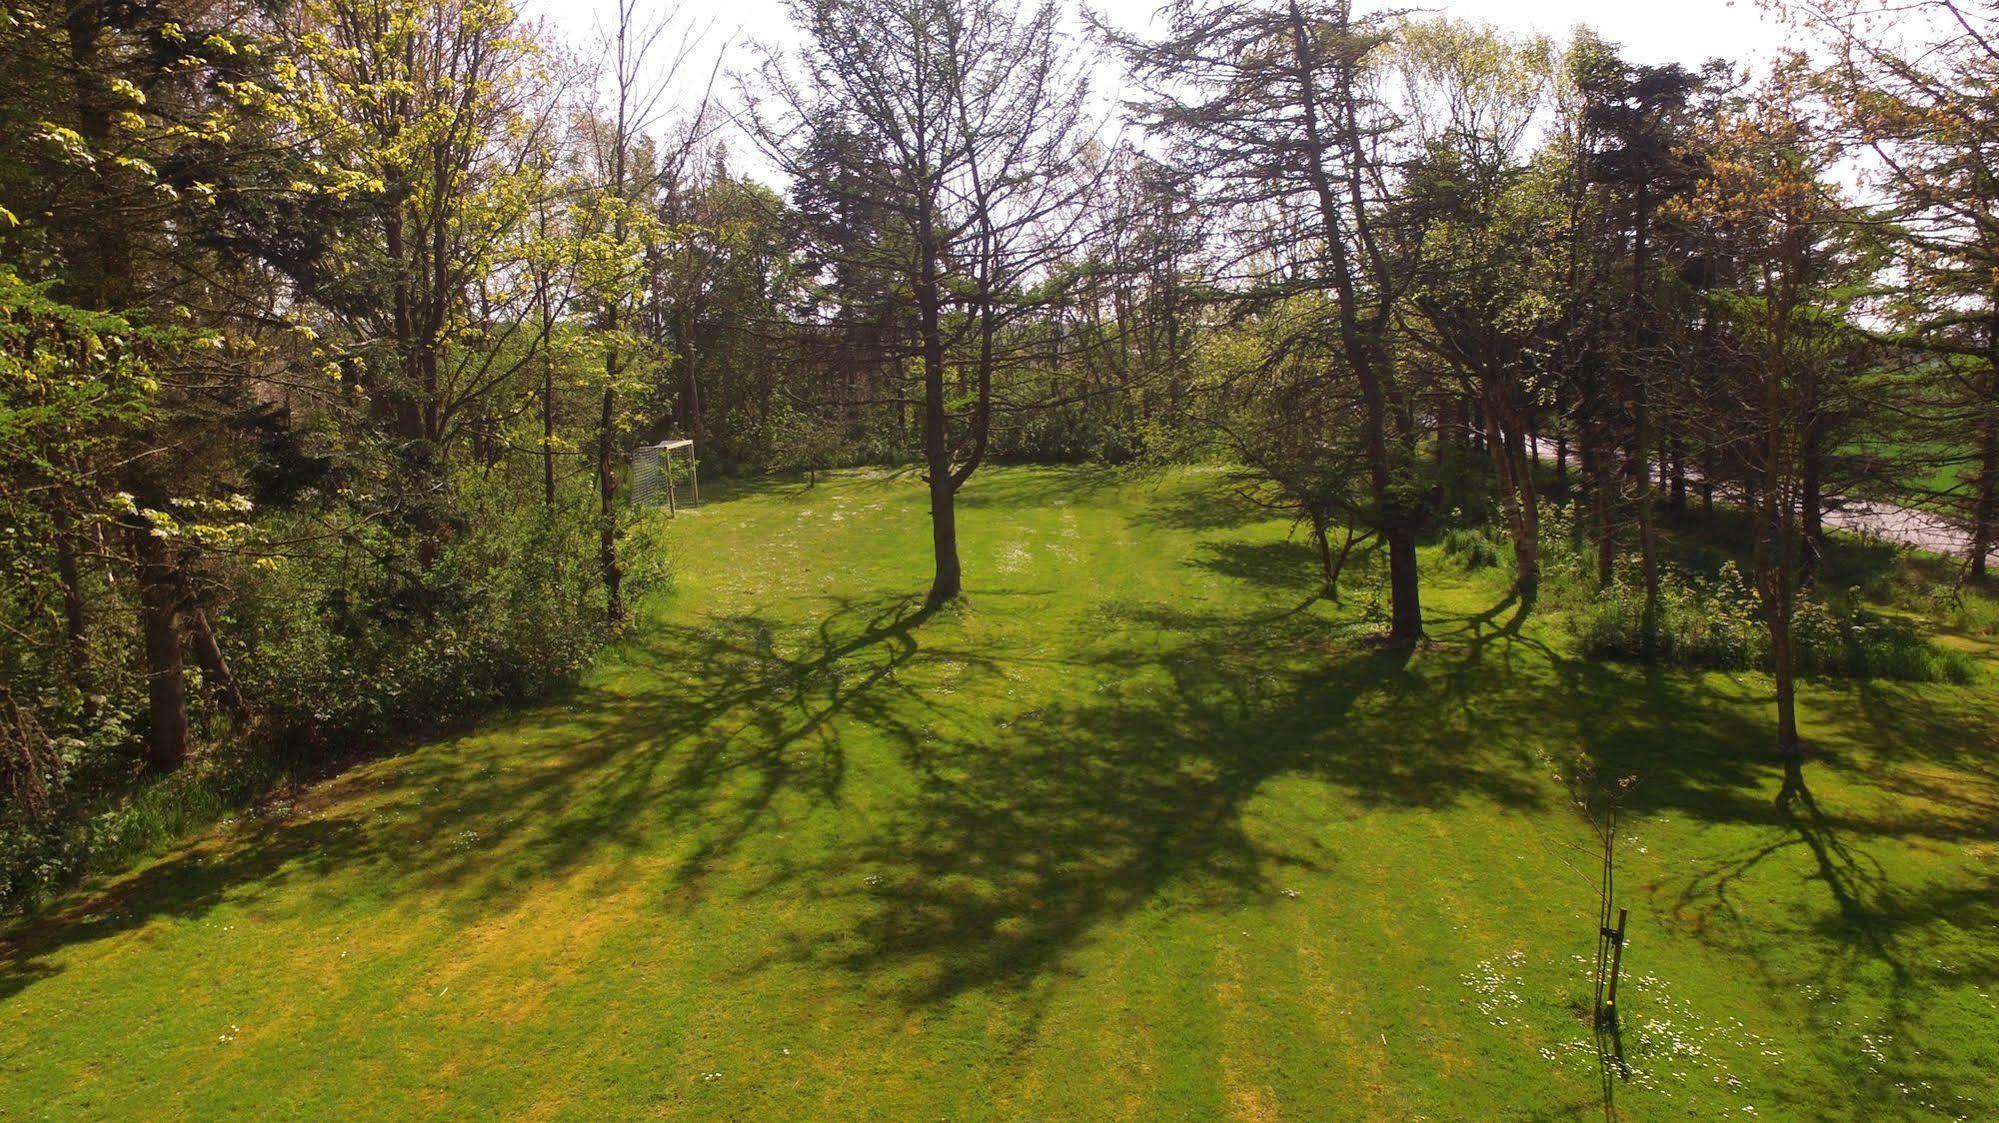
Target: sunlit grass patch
1145	828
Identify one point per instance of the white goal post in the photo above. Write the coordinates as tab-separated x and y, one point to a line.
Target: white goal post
654	468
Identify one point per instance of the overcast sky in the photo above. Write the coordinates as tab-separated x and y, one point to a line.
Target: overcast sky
1649	31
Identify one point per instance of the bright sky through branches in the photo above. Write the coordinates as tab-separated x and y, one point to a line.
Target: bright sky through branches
1686	31
1662	31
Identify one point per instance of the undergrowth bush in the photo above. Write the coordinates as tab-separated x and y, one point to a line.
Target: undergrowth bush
1078	433
104	829
1702	622
513	604
341	642
1714	622
1971	611
1477	547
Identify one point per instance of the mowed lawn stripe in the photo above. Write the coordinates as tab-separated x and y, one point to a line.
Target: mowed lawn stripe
1146	829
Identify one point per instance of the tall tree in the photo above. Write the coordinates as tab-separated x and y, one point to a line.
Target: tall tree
1919	94
1274	105
1769	213
1639	118
133	115
439	109
952	127
1479	294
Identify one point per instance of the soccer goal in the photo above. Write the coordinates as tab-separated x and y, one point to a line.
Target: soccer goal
655	469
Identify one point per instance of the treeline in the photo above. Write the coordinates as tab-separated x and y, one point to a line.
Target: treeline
1407	270
325	332
326	328
1449	262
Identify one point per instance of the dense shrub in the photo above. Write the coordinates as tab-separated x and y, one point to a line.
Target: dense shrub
1477	547
337	640
98	827
1078	433
1703	622
1714	622
333	652
1969	610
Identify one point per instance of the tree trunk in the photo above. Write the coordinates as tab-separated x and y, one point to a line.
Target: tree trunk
214	665
1527	544
166	684
1641	305
1985	509
548	428
1328	578
1648	535
1364	345
107	243
947	581
1506	447
76	626
1677	497
1777	559
108	286
607	502
1790	749
1561	423
1405	622
697	422
1811	503
1604	499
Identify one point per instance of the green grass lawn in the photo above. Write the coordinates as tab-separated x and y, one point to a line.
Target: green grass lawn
1144	830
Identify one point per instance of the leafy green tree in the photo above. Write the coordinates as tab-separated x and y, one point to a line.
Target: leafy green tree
1771	215
943	134
1918	97
125	123
1275	114
1480	293
431	116
1638	121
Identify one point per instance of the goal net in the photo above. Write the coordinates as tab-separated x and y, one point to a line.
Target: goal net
660	471
648	477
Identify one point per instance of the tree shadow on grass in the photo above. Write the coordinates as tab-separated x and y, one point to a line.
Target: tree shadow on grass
1286	564
1869	912
1874	955
1024	825
1027	824
731	713
1029	487
1823	897
252	861
792	484
1172	505
1016	846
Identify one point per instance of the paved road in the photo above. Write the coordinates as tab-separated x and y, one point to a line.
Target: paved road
1884	522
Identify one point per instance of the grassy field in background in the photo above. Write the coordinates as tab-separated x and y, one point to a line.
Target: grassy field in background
1144	830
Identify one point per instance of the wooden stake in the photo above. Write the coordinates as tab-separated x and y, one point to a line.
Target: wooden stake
1616	963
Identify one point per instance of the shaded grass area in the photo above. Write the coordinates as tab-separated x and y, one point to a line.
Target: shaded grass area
1145	829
